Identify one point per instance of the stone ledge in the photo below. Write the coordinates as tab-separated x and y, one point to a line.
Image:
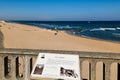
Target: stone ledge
80	53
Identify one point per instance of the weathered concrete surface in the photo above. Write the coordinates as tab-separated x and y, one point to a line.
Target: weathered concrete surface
1	40
26	54
93	59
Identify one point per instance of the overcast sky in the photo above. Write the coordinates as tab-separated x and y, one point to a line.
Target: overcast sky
61	10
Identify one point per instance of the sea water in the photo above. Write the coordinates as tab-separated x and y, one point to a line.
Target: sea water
104	30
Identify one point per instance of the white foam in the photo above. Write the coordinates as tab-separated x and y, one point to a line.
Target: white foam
102	29
98	29
68	26
118	28
110	28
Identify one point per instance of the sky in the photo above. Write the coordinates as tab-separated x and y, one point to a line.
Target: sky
60	10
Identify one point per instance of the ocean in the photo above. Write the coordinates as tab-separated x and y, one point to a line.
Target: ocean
103	30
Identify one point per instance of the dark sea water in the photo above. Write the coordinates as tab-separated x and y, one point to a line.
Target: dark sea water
104	30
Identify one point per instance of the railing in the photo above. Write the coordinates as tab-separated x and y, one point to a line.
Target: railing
16	64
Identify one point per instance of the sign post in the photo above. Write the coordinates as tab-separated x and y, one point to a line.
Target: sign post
56	66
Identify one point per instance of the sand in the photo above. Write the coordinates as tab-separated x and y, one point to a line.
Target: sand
32	37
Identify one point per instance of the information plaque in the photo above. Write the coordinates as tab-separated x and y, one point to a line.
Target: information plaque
56	66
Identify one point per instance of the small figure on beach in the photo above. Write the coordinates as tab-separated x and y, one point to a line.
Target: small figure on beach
56	33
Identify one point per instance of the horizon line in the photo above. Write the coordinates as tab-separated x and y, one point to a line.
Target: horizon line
54	20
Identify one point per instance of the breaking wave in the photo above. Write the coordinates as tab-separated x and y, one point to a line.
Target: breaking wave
103	29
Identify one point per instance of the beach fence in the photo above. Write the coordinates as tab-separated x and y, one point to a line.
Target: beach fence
16	64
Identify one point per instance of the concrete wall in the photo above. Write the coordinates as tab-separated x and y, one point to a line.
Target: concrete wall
98	64
1	40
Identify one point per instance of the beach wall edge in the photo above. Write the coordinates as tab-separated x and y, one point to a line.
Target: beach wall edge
1	40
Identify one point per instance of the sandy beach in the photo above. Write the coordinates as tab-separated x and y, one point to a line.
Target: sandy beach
32	37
